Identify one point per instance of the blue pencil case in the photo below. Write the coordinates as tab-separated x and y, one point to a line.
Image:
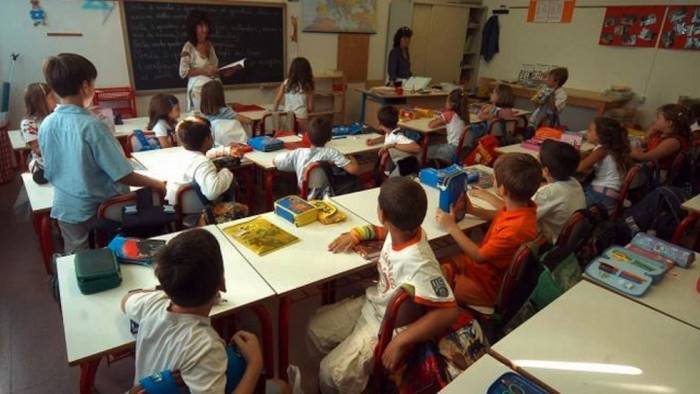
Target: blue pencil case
681	256
352	129
619	276
511	382
651	268
265	143
451	181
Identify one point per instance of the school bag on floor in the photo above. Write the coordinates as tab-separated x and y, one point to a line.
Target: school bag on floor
484	153
658	213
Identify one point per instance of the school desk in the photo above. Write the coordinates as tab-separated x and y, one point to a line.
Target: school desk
477	377
586	148
264	161
590	340
364	205
20	148
304	263
675	295
374	99
40	201
693	208
94	325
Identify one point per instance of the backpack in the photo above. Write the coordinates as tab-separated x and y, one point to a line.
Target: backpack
340	182
658	212
484	153
687	175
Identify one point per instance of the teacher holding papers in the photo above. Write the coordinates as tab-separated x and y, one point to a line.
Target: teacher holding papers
198	61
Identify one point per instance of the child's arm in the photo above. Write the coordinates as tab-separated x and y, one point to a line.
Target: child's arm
278	98
437	122
346	241
589	161
131	293
164	142
352	168
250	348
212	183
34	146
436	321
448	223
137	180
485	112
666	148
375	140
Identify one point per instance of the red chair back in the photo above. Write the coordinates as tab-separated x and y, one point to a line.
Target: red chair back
121	100
188	203
276	122
624	191
314	177
514	273
386	333
112	209
676	168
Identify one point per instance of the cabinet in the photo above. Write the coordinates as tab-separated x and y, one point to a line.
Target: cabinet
329	96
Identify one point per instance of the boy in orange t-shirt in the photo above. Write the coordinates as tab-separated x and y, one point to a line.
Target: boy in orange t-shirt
477	274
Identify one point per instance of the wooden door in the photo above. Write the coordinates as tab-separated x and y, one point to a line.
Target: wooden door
448	27
421	40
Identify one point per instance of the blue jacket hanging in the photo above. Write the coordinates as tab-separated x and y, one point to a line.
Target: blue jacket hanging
489	39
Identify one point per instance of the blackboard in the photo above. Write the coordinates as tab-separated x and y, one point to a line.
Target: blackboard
155	33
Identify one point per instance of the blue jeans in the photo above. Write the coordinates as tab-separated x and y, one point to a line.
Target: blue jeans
594	197
443	152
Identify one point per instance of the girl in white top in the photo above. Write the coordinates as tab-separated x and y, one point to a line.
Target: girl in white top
39	101
609	161
457	109
298	92
198	60
163	113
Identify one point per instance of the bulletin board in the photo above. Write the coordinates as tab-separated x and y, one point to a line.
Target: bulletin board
634	26
682	28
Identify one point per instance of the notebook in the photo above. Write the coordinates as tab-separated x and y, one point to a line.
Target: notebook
260	236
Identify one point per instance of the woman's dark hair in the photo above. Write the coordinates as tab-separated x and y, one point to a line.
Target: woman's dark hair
159	108
679	116
460	104
212	98
401	33
613	137
35	100
300	76
194	19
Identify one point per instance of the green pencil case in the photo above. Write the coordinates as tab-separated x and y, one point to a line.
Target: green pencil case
97	270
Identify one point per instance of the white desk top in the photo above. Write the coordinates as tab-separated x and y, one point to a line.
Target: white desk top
692	205
94	324
264	159
421	125
251	116
518	148
364	205
634	348
130	124
478	377
307	261
40	196
16	140
675	294
354	144
163	164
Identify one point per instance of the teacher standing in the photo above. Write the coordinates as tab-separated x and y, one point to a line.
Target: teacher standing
399	60
198	61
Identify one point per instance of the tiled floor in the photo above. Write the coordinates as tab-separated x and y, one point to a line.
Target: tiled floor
32	347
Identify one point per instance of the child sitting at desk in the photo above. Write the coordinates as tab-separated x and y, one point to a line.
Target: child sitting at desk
499	107
609	161
225	128
348	330
320	132
669	135
195	136
174	328
455	117
298	92
39	102
163	114
560	196
401	149
82	159
477	274
550	100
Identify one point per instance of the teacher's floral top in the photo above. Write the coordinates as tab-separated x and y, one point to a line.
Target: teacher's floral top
191	58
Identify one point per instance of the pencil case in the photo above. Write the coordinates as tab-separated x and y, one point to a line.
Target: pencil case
511	382
265	143
352	129
296	210
654	269
451	181
97	270
621	277
681	256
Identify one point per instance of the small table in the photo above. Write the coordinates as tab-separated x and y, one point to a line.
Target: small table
586	148
422	126
94	326
693	208
304	263
40	201
590	340
364	205
374	99
675	295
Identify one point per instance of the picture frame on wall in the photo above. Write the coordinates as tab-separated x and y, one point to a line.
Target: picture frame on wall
324	16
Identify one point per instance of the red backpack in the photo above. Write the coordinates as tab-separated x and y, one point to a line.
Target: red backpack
484	153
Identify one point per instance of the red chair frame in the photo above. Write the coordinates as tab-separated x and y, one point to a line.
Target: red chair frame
686	224
310	168
626	185
386	332
118	94
267	116
676	168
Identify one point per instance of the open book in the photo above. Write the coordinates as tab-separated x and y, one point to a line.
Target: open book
240	63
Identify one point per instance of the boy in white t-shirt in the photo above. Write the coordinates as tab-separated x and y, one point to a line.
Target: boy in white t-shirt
194	133
560	196
174	328
320	132
348	330
396	144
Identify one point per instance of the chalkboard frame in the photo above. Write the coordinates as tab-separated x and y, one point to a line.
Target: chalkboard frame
271	84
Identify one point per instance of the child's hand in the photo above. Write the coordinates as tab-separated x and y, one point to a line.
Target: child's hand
249	347
394	353
445	220
343	244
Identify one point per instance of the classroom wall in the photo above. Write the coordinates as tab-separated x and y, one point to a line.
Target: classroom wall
102	42
658	75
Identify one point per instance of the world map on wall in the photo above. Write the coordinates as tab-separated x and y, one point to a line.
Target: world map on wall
330	16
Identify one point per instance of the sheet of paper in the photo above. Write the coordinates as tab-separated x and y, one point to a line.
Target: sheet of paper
240	63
